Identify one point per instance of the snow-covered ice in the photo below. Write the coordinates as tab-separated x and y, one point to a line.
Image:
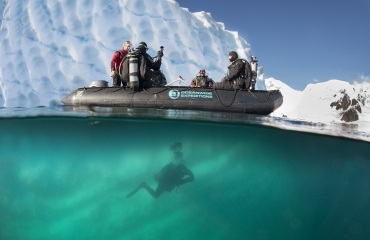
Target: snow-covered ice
313	103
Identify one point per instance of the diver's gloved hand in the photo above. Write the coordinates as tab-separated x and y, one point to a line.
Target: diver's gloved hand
160	54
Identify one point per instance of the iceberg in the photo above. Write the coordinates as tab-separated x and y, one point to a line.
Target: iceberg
49	48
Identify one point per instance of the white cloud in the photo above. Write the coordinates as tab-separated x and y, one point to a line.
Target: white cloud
364	78
361	78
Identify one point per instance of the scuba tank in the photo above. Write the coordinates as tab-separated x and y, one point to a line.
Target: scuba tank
254	67
133	72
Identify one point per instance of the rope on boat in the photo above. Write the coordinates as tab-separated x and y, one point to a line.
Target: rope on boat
120	89
164	89
235	91
268	96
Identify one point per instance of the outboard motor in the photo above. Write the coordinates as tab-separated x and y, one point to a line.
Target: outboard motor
133	72
254	67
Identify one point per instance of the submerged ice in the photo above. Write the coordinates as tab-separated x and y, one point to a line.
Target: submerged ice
68	178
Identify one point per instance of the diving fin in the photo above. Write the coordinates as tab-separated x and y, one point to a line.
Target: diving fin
133	192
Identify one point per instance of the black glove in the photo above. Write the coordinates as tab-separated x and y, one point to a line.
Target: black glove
160	54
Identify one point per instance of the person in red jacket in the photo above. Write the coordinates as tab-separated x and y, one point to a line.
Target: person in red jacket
116	63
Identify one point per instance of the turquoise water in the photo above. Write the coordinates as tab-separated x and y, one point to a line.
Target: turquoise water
67	178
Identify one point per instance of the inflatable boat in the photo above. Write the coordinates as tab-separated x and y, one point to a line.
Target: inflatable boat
178	97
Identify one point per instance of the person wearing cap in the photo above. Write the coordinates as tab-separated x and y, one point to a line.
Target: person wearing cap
117	61
202	80
234	79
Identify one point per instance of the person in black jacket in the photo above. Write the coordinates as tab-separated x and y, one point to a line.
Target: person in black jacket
171	176
235	77
148	67
202	80
151	62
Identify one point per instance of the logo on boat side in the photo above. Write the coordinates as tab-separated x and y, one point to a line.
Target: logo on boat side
175	94
79	93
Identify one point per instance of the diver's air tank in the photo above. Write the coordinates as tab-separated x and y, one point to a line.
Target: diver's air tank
254	67
133	72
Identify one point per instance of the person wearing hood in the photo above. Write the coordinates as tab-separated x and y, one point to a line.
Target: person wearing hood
171	176
202	80
234	79
153	63
149	67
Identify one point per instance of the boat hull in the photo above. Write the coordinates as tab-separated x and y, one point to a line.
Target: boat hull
204	99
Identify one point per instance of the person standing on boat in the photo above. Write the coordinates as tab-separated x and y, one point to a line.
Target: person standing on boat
148	70
116	63
235	78
202	80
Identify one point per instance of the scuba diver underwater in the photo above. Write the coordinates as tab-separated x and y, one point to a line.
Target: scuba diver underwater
171	176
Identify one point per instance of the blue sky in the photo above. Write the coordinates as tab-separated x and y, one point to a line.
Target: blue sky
300	42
